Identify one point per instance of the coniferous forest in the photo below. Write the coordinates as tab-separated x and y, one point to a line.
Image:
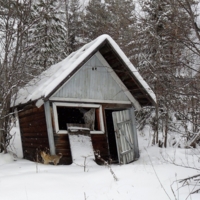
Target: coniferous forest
161	38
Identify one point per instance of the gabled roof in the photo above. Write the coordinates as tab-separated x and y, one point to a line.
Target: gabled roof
43	86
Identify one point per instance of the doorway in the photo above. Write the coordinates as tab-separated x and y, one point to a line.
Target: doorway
111	136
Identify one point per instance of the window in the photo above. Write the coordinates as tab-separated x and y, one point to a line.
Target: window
76	114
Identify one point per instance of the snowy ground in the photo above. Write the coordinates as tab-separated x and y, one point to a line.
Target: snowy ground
149	178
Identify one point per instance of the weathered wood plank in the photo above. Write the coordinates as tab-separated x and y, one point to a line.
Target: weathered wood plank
48	119
94	85
99	142
62	146
64	151
34	122
30	111
35	134
59	146
32	129
30	118
36	145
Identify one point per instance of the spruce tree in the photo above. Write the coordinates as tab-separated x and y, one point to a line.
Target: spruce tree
163	32
121	22
113	17
47	37
74	21
96	20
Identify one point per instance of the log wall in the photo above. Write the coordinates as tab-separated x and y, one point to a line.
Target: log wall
35	138
62	146
33	131
99	142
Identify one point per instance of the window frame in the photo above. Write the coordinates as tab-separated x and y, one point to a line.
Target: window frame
77	105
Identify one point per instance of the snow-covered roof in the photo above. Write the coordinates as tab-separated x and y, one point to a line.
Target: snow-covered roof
42	86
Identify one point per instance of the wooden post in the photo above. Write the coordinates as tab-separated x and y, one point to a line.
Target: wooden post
49	127
20	154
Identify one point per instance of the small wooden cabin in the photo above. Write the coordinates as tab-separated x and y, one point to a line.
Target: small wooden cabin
97	76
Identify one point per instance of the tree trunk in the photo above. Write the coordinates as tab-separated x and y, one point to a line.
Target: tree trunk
166	127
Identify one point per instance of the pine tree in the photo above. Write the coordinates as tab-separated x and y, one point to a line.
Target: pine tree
96	20
121	22
47	37
113	17
74	21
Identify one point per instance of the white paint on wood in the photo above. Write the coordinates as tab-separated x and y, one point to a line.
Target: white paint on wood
49	127
124	136
93	81
87	100
44	84
18	137
81	149
120	83
80	105
133	126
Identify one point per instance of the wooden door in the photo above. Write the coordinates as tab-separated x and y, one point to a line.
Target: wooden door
125	133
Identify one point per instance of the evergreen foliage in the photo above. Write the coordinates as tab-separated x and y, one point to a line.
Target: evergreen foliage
113	17
47	35
161	38
74	26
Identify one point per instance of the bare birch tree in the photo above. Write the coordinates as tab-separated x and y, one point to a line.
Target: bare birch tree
15	23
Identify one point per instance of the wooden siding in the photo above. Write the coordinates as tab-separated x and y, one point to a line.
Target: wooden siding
124	136
99	142
126	76
62	146
92	82
35	138
33	131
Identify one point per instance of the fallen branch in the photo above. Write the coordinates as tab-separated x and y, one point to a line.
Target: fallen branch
98	156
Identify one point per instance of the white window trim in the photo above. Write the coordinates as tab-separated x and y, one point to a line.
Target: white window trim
55	114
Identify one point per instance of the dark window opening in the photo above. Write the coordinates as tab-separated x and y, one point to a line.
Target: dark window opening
75	115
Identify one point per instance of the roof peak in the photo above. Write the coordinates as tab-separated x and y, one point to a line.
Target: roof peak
43	85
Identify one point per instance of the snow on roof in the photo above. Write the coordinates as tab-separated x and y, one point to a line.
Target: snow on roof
41	86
